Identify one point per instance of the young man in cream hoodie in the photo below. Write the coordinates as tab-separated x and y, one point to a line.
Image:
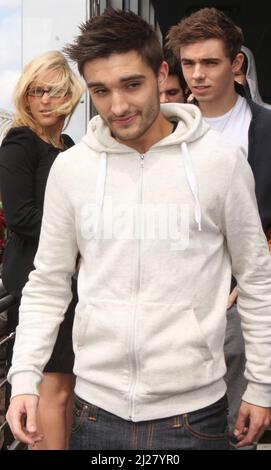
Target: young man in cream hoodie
209	46
156	205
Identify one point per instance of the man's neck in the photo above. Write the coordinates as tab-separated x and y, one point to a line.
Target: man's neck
218	108
159	130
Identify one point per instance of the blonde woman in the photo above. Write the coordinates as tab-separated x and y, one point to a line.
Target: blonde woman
45	97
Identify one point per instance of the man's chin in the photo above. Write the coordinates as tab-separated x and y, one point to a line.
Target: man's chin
124	136
202	99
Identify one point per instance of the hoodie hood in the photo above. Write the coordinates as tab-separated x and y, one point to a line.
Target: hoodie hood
252	79
190	128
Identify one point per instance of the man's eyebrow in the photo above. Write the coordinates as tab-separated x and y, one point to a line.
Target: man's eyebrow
122	80
133	77
204	59
94	84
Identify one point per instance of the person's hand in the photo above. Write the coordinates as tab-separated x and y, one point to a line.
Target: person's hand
251	423
232	297
21	417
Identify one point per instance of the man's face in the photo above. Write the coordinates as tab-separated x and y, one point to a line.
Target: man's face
208	71
171	90
124	90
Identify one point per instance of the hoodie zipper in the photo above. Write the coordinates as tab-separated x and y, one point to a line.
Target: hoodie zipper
134	358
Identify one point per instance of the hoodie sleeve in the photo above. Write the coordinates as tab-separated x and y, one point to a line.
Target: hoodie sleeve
251	266
47	294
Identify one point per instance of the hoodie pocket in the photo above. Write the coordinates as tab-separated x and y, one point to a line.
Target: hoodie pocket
174	354
101	340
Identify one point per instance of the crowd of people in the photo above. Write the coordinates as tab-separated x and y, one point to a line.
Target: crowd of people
139	257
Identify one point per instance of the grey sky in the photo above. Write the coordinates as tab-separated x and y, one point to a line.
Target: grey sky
10	49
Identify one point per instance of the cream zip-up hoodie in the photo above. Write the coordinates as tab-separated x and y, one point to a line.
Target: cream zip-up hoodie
159	235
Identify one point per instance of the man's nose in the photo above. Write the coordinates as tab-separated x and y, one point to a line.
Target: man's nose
198	72
119	106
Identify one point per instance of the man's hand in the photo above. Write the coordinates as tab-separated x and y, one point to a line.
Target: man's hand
232	297
251	423
21	407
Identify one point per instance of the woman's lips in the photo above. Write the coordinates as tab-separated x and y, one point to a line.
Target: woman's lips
46	112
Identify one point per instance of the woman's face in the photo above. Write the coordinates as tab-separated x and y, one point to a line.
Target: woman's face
43	98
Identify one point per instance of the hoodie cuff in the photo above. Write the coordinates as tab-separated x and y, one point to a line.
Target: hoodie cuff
258	394
25	383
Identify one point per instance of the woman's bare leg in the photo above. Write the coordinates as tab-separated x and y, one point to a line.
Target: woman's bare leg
55	411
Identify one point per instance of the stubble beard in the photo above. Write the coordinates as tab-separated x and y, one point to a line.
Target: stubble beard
146	118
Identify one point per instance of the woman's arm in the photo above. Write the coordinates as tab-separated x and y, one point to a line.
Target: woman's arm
18	162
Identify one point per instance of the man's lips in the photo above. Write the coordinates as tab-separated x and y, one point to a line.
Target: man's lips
124	121
201	88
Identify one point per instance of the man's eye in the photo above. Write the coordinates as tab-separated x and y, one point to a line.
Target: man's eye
134	85
99	92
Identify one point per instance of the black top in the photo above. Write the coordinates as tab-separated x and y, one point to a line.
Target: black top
259	158
259	154
25	162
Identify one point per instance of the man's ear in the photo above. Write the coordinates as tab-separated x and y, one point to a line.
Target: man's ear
238	62
163	73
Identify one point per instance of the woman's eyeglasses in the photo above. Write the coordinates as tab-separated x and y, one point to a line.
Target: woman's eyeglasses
53	92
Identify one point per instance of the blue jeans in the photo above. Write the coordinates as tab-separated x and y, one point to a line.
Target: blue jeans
96	429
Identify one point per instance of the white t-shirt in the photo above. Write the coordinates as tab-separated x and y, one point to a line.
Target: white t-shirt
234	125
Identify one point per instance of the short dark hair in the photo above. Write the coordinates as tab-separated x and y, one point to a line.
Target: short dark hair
116	31
174	67
206	23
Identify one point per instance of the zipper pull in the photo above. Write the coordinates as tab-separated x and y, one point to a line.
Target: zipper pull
142	161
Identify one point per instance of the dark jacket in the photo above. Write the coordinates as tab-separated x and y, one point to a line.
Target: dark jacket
259	158
259	155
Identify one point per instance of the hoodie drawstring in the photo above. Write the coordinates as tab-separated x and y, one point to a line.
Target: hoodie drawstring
191	178
100	190
190	175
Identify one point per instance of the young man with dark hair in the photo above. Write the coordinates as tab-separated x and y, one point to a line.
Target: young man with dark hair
148	199
173	89
208	44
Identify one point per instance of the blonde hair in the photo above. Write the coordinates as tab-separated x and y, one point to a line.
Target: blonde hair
66	80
